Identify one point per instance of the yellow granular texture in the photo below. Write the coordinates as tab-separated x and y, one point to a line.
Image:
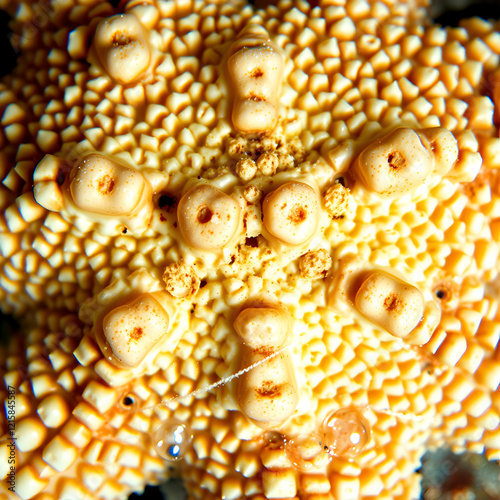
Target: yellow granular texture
353	71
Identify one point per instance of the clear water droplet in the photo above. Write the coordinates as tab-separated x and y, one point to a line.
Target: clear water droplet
346	432
172	439
307	452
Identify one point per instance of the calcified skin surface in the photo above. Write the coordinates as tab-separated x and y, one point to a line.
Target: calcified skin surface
88	406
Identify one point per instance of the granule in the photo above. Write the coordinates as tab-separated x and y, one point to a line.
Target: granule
315	264
337	200
268	163
181	280
246	169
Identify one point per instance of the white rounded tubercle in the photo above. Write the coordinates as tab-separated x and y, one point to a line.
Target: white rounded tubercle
208	218
263	327
131	330
255	69
394	164
291	213
383	298
105	187
443	145
392	304
403	159
268	394
121	44
98	190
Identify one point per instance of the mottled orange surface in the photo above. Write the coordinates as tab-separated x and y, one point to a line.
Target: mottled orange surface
361	402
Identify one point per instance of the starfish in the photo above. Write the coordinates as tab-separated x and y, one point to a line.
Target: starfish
257	249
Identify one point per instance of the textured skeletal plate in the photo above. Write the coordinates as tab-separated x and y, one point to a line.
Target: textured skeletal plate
256	249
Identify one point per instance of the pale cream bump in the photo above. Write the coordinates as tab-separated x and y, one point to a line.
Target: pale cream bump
345	487
103	186
133	329
28	483
53	410
88	416
31	433
59	453
291	212
255	71
100	396
268	394
208	218
122	47
280	483
390	303
262	327
395	164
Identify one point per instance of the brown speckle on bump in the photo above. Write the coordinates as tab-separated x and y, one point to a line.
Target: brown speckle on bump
297	214
392	302
204	215
136	334
396	160
105	185
268	389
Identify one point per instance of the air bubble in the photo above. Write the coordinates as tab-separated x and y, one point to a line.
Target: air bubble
172	440
307	452
273	440
346	432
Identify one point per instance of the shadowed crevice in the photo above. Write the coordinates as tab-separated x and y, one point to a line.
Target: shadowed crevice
171	490
8	327
8	54
451	12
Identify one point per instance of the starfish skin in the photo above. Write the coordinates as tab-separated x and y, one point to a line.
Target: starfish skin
353	72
